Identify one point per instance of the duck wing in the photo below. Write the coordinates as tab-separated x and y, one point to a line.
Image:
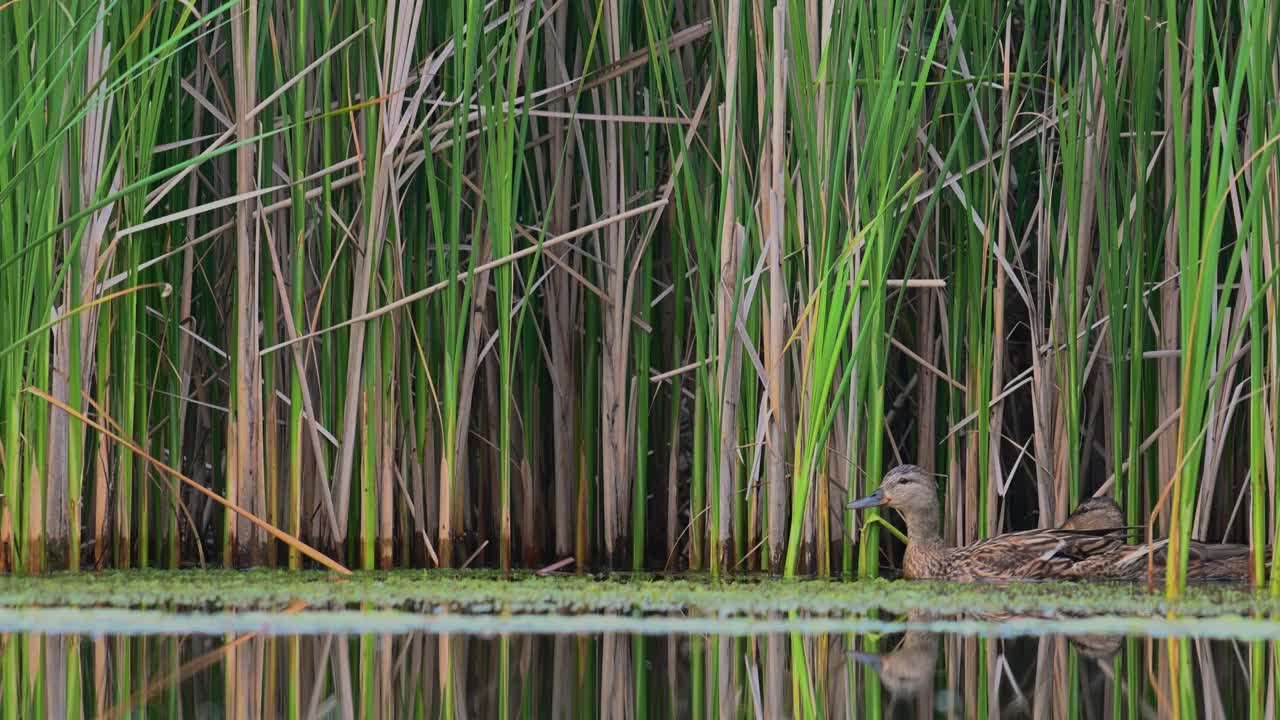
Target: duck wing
1205	561
1030	554
1218	561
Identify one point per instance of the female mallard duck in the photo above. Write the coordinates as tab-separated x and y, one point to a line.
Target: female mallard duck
1098	513
1027	555
1205	561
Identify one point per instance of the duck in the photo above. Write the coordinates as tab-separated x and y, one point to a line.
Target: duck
1206	562
1096	513
1044	554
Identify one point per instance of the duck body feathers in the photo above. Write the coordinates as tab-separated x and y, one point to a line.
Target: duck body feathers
1027	555
1206	562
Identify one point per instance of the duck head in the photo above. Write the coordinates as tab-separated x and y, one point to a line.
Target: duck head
1099	513
909	489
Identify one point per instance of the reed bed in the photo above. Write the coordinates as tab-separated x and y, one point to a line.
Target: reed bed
630	284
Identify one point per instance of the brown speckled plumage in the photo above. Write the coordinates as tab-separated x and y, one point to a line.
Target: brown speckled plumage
1205	561
1027	555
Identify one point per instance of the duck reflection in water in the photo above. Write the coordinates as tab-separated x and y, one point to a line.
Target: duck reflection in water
911	667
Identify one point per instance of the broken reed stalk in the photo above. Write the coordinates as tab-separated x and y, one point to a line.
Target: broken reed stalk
280	535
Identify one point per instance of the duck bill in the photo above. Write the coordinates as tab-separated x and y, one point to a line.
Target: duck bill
873	661
875	499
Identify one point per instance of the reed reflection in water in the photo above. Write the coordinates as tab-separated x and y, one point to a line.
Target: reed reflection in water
421	675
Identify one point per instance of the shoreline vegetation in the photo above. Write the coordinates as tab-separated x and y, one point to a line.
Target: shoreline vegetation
649	285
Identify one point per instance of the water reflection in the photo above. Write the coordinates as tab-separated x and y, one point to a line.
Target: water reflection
419	675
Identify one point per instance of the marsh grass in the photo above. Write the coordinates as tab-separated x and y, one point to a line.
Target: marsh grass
635	284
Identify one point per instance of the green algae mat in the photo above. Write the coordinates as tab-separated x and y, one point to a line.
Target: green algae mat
483	592
218	601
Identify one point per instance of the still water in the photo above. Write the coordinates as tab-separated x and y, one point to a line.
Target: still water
150	668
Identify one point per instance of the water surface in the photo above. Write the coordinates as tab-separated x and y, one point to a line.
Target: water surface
442	646
617	674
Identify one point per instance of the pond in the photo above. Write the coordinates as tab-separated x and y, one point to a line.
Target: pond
416	645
